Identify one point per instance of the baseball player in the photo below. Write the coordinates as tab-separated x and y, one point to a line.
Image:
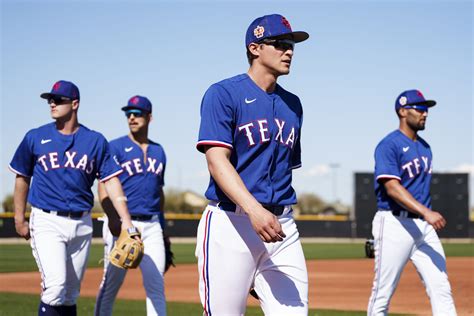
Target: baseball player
404	227
143	162
250	133
63	158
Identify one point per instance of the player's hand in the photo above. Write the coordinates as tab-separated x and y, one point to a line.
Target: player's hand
435	219
128	224
22	229
266	225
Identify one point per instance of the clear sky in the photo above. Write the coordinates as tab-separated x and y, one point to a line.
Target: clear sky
360	56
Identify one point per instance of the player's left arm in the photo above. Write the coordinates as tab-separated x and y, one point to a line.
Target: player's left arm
404	198
114	190
113	218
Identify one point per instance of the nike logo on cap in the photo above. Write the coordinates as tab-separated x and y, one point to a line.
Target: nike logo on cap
129	149
45	141
249	101
405	149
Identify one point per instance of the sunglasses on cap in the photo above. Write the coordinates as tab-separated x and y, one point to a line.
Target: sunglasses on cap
135	112
422	108
282	44
59	100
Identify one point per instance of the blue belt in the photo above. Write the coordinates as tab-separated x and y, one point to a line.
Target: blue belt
70	214
274	209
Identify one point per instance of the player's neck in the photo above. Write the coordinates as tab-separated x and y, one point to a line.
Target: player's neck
67	127
262	78
139	138
408	132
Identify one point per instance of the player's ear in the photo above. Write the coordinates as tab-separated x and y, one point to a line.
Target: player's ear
253	49
150	117
75	104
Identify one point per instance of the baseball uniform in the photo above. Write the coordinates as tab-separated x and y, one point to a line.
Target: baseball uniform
401	235
142	180
262	131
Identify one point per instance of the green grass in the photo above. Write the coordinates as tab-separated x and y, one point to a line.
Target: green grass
25	304
17	258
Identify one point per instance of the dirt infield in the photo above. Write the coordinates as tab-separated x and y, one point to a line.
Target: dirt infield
334	284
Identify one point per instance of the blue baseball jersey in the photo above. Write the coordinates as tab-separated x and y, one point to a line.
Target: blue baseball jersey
143	176
63	167
263	132
399	157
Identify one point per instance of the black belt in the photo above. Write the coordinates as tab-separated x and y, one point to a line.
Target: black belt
275	209
70	214
409	214
141	217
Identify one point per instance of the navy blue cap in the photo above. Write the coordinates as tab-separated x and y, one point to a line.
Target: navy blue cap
412	97
63	88
270	26
138	102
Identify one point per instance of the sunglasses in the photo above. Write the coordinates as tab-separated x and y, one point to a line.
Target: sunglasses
135	112
59	100
419	108
281	44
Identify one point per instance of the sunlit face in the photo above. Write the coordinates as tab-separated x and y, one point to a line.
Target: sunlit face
138	120
61	107
276	55
416	117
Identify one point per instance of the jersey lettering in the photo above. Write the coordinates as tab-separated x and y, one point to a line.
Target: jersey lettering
414	167
263	132
137	166
248	133
51	161
262	124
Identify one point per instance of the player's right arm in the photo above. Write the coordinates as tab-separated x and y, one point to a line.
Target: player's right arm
264	223
20	194
402	197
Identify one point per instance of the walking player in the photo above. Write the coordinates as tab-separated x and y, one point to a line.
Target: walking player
63	158
404	226
250	132
143	162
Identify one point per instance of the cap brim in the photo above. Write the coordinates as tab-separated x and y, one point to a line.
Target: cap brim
428	103
300	36
297	37
128	107
48	95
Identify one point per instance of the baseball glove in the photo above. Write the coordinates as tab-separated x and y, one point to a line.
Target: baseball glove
169	256
369	248
127	252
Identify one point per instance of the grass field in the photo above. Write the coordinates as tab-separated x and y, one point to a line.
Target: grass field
18	258
21	304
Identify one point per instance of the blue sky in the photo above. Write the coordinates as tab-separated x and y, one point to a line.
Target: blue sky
360	56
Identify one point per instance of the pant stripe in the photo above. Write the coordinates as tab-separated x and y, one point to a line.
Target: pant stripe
205	268
378	267
103	287
35	252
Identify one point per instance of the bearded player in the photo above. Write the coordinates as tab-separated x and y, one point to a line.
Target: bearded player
405	226
143	162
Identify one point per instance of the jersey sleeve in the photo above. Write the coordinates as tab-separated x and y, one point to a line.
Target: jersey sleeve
386	162
164	169
107	166
217	116
296	158
23	161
